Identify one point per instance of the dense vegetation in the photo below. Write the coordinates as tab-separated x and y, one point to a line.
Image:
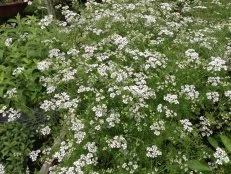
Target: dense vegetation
121	86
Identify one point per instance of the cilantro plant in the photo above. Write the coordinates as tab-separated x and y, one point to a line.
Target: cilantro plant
122	87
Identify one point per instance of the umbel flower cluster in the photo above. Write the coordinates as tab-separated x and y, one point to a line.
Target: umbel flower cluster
138	88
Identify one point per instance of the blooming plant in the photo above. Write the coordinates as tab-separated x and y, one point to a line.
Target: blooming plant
134	86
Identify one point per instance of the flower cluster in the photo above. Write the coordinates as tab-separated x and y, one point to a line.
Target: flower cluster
77	127
192	55
153	152
8	42
10	93
171	98
45	130
46	21
157	127
2	169
217	64
18	70
187	125
10	113
34	155
44	65
117	142
130	166
214	96
69	15
214	81
228	94
60	101
65	149
221	156
113	119
205	130
189	92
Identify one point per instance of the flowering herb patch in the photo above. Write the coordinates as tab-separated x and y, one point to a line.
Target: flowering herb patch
138	88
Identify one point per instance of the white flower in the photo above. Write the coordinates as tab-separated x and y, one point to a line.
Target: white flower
54	53
165	6
90	49
91	146
187	125
154	60
8	42
34	155
189	92
60	101
10	93
79	136
46	21
171	98
160	108
217	64
192	55
2	169
214	81
205	130
217	2
44	65
63	151
117	142
46	151
88	159
17	71
120	41
166	32
214	96
68	74
150	19
77	125
73	51
114	118
153	152
169	113
45	131
99	110
228	94
221	156
69	15
50	89
29	2
157	127
10	113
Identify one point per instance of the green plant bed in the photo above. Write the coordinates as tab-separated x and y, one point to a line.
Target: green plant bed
122	87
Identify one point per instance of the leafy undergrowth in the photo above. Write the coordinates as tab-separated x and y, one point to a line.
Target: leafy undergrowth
124	87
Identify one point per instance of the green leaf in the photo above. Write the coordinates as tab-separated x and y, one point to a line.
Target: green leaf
34	53
213	142
226	141
198	165
1	90
1	54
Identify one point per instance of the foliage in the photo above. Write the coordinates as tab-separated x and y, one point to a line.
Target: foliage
20	51
135	89
15	145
